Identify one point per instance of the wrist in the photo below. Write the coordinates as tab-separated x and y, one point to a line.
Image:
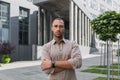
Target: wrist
52	63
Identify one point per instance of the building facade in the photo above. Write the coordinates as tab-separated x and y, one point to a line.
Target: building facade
77	22
96	7
77	14
26	23
18	25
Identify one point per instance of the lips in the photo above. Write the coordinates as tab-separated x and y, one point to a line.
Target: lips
58	32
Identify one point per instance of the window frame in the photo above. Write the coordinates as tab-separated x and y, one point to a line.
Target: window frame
25	26
5	22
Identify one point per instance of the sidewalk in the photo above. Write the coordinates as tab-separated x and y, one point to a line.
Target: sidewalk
23	70
21	64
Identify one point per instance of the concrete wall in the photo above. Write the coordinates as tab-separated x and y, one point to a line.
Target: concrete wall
39	50
80	5
22	52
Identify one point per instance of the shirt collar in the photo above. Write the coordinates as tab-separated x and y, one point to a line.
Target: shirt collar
63	40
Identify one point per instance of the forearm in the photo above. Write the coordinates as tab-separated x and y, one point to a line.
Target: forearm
49	71
57	70
63	64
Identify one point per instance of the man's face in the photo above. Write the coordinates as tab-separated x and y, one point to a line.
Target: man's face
58	28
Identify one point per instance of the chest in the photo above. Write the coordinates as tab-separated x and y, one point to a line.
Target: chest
60	51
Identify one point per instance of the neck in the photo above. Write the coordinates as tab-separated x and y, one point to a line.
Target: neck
58	39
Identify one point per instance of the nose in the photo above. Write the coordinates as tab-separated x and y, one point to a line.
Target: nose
58	28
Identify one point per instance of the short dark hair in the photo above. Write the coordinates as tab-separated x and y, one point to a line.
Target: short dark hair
57	19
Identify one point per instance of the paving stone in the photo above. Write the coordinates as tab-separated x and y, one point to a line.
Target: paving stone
35	73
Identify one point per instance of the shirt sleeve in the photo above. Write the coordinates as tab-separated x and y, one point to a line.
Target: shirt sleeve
45	54
76	58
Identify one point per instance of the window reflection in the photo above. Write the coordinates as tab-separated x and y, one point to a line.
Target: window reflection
94	4
23	26
115	6
4	21
109	2
102	8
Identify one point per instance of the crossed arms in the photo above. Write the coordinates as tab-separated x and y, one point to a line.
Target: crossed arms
74	62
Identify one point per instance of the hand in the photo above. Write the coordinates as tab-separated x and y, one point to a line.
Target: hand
46	64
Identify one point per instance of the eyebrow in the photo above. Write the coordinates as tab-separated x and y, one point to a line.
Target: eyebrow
57	25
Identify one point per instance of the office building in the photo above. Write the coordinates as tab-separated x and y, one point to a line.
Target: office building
77	15
18	25
96	7
26	24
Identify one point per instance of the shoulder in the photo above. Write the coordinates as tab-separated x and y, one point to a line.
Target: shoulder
70	41
47	45
73	44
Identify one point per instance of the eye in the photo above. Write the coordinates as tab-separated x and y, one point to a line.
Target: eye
61	26
55	25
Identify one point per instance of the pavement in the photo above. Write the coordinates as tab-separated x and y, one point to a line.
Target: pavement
24	70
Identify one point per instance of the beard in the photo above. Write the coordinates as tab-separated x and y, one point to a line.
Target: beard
58	36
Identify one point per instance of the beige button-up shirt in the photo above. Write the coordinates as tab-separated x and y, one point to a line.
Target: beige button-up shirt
65	50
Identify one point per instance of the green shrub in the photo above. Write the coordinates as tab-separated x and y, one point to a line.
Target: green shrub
5	59
5	49
104	78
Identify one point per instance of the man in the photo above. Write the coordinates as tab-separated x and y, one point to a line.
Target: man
60	57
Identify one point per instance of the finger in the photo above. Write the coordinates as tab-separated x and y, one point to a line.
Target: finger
41	64
42	67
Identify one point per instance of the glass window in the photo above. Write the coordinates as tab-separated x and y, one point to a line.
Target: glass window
4	7
93	15
94	4
119	8
0	34
115	5
5	34
23	26
102	8
30	0
0	6
103	0
85	3
5	25
109	2
4	21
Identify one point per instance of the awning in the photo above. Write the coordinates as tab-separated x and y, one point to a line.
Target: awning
59	8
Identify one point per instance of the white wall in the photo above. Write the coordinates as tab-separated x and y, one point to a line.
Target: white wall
14	6
39	50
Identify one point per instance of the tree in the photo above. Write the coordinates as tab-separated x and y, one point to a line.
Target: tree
107	27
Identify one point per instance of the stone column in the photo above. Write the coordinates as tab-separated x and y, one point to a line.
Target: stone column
76	23
39	27
88	31
51	35
80	27
71	8
90	35
83	40
45	26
